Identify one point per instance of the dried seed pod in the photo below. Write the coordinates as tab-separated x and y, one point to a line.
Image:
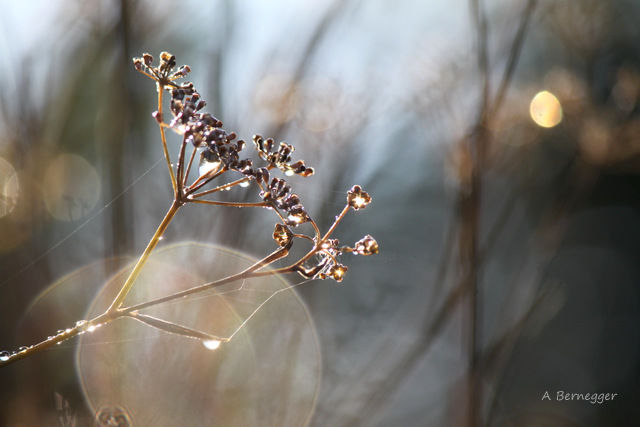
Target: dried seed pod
307	172
337	272
148	59
290	201
357	198
297	215
366	246
282	235
264	172
137	63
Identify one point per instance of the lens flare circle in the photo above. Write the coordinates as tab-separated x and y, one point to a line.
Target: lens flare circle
276	353
71	187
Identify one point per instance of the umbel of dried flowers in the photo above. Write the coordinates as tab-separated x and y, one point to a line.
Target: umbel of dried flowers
224	153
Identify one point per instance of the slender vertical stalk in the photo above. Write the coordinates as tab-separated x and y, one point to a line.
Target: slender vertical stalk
128	284
163	137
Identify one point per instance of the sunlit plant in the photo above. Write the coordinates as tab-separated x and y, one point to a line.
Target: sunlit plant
221	166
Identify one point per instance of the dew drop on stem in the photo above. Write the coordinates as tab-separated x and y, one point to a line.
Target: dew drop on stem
211	344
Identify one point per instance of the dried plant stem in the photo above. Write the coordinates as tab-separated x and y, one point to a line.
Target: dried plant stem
163	137
249	273
186	174
114	312
128	284
57	339
335	223
218	188
233	204
222	154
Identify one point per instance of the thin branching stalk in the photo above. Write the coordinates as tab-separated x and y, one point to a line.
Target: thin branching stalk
221	154
163	138
157	236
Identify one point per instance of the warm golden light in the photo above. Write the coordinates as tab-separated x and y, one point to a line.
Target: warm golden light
359	202
8	188
297	218
211	344
207	167
545	109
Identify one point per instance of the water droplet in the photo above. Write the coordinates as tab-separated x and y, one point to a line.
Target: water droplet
91	328
289	173
80	323
23	348
244	184
207	167
161	237
4	356
211	344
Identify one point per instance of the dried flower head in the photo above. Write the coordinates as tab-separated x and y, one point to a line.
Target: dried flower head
281	157
282	235
165	72
279	195
358	198
337	272
366	246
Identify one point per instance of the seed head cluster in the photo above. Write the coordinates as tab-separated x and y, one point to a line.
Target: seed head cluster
205	134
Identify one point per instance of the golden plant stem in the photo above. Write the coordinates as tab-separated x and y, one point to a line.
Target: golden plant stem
128	284
248	273
60	337
163	137
219	188
232	204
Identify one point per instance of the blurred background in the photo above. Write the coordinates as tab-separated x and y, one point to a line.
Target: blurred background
499	140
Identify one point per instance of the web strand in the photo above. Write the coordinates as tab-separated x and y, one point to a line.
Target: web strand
241	288
79	227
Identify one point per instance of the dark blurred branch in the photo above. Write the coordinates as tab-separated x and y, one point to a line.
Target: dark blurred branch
406	363
469	208
119	233
514	56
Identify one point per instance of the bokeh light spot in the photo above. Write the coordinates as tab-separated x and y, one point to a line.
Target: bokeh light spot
545	109
71	187
323	103
277	98
9	188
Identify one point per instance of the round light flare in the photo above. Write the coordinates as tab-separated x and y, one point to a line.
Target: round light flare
277	97
324	101
71	187
234	380
545	109
9	188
